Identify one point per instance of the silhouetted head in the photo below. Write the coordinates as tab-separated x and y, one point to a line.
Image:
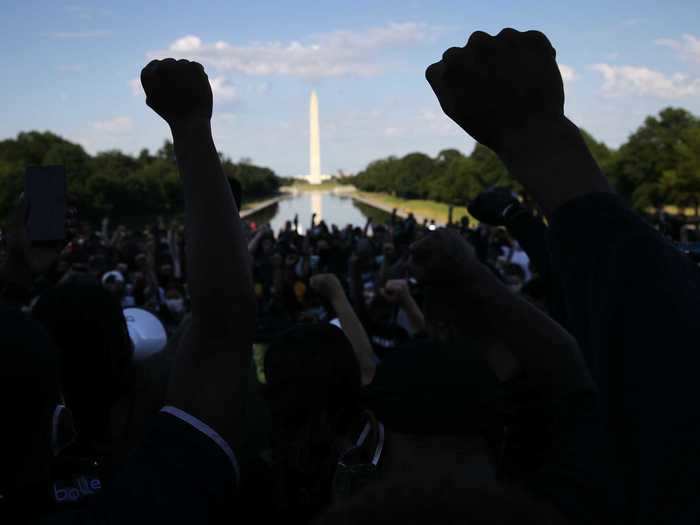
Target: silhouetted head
313	392
87	325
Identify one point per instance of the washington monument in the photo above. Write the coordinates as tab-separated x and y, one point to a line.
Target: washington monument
314	142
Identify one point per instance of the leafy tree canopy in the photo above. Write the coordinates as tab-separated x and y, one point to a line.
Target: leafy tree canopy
112	182
659	164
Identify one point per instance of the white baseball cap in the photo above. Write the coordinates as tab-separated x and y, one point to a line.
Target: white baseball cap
114	273
146	331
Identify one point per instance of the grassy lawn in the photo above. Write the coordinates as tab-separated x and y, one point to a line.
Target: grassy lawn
247	205
690	212
423	208
305	186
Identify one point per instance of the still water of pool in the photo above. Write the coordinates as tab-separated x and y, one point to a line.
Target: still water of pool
333	208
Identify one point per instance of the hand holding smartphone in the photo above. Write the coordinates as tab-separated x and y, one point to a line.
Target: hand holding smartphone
45	194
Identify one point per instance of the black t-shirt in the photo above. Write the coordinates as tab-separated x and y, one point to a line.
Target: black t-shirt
430	388
631	300
74	484
556	448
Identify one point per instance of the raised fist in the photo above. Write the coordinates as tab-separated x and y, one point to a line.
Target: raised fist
178	90
443	257
396	291
489	205
326	285
495	85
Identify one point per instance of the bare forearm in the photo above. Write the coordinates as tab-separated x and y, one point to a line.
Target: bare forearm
414	313
546	352
553	162
254	242
357	335
219	275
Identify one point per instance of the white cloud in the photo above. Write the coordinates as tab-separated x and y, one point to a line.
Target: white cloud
136	87
688	46
222	91
186	43
393	132
224	125
438	124
638	80
337	53
69	35
568	73
116	125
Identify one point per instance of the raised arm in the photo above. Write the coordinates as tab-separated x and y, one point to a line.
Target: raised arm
105	231
513	102
499	207
547	354
328	286
255	241
214	354
396	291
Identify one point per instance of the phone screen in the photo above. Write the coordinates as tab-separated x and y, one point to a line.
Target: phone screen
45	193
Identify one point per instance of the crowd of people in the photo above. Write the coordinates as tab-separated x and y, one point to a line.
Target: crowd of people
534	368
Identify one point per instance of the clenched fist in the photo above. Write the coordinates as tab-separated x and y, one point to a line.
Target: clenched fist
489	205
443	258
178	90
495	85
327	286
396	291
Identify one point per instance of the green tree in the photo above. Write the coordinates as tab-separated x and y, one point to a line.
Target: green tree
602	154
489	170
412	170
167	152
639	165
682	184
111	182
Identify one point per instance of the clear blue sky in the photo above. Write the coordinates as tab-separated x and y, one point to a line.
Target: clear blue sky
71	68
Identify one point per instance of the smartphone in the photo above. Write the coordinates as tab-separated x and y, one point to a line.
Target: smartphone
45	194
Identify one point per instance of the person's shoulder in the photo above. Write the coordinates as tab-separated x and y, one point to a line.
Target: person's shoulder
16	324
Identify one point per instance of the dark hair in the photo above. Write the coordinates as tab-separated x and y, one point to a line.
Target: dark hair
313	392
87	325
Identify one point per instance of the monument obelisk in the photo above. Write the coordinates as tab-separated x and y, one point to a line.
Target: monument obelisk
314	142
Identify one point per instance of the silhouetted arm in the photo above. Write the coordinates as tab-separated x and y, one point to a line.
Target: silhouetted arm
215	352
329	287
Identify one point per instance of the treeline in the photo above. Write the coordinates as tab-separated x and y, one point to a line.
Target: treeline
658	165
112	183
